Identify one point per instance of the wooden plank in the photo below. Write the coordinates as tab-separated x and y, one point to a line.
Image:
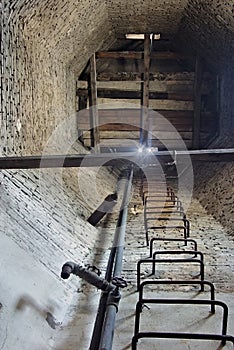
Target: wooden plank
132	116
153	104
187	126
136	76
161	145
127	119
132	80
134	135
140	55
130	94
180	125
93	102
197	103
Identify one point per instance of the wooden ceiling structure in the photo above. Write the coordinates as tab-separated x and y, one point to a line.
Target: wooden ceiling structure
147	96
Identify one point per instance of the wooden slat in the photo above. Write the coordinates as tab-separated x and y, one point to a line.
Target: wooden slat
136	76
153	104
130	120
132	116
134	135
186	126
160	86
123	94
139	55
162	144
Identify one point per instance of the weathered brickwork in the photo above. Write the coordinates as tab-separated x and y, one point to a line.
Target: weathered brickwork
209	27
46	215
214	183
214	187
44	46
159	16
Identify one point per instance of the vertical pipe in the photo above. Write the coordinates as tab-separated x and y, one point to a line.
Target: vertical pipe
98	326
144	126
114	298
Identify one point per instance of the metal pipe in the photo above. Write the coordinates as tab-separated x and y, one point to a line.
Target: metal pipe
114	298
87	275
106	159
95	340
98	325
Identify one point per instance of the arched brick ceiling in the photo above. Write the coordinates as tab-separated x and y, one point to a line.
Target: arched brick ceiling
73	30
49	43
208	27
143	16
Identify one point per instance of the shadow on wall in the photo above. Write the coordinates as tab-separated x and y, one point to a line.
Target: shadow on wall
44	311
78	325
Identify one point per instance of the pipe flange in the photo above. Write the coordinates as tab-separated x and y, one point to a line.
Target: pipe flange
119	282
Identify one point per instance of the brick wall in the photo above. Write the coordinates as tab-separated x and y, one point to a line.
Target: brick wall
44	47
43	224
214	183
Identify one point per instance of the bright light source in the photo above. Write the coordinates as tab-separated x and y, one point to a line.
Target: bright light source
140	150
157	36
149	149
135	36
142	36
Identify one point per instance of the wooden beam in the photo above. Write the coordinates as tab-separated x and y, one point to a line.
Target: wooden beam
94	160
82	102
139	55
94	121
134	135
171	83
145	93
184	125
197	103
136	76
132	116
153	104
130	94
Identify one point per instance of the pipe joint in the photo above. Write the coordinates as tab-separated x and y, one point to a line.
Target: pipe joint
114	299
87	275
